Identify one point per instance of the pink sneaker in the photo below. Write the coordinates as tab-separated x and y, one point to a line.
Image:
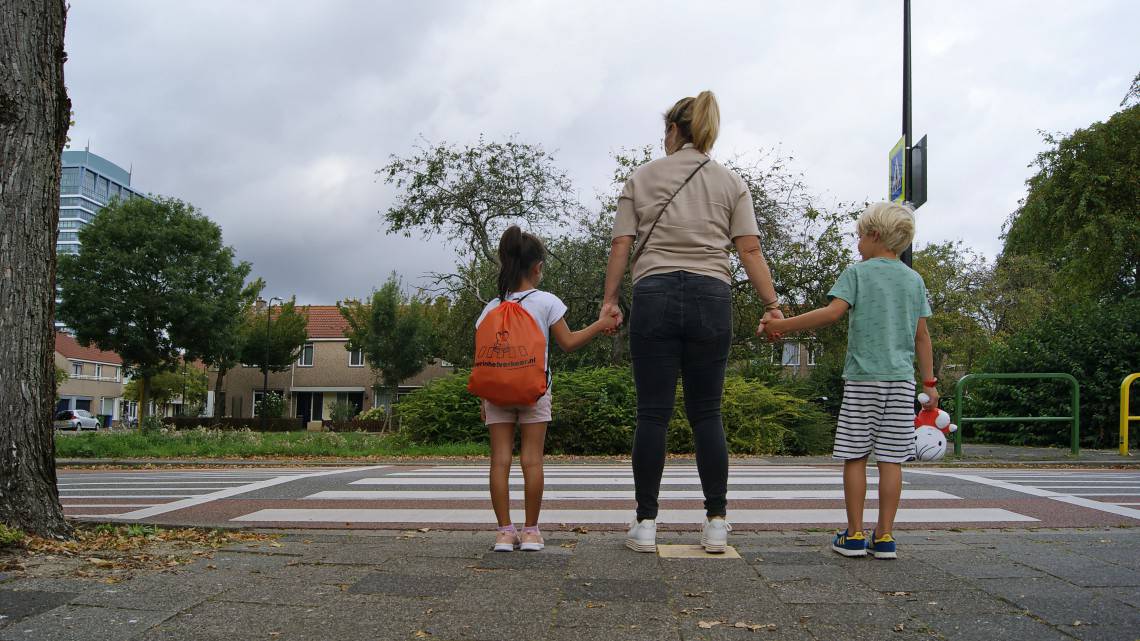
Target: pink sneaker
506	539
531	539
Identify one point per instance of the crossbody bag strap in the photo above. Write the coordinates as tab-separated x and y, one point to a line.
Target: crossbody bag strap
645	241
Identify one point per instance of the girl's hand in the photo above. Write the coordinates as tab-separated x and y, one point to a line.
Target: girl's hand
482	411
770	328
611	314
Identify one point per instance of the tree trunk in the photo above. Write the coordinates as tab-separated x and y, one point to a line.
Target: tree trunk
34	116
219	402
144	396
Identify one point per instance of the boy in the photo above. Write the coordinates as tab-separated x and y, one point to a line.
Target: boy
887	328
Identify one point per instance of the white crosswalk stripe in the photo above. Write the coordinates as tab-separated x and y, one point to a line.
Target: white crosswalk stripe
1115	492
458	495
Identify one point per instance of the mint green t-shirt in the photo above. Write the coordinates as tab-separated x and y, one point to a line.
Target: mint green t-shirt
887	298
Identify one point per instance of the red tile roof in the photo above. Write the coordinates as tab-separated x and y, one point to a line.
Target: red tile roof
69	348
325	321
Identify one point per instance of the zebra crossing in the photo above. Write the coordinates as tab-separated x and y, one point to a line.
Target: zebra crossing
1112	491
100	494
602	495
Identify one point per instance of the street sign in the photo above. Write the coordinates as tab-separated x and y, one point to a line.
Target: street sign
918	173
897	183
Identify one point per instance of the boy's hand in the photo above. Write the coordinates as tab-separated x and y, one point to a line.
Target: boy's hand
932	392
482	412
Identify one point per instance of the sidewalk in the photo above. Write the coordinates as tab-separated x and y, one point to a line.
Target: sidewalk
976	455
991	585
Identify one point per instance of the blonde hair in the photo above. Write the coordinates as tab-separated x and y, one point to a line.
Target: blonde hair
697	119
894	224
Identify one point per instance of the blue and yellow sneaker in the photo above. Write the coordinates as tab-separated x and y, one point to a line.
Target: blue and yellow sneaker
850	544
883	547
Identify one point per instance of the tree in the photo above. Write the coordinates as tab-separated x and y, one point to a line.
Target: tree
286	333
227	342
153	283
187	382
956	283
34	111
394	333
1080	215
470	195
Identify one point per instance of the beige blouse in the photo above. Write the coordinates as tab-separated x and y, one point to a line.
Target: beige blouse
696	230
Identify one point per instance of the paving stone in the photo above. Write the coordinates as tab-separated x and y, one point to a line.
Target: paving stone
632	632
502	598
331	574
161	592
452	567
53	584
911	631
82	623
355	554
977	564
1062	603
602	614
727	631
1081	570
603	589
1102	632
349	621
789	572
16	605
763	556
519	623
969	626
224	621
405	585
906	575
808	591
535	580
278	591
884	616
943	602
248	563
526	560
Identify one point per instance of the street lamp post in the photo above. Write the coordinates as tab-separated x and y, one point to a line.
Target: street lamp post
907	175
265	365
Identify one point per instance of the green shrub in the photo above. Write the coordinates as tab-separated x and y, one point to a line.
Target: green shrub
272	405
341	411
10	536
595	412
442	412
356	425
373	414
1096	343
231	423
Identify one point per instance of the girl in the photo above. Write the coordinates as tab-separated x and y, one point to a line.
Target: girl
521	256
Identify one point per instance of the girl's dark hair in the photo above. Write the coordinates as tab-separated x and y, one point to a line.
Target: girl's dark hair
518	253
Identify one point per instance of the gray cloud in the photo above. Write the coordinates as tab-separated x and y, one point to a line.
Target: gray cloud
272	117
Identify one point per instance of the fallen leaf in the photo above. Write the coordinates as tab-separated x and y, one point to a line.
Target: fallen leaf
211	567
708	624
424	529
421	634
1077	624
754	626
900	593
275	544
103	563
591	604
899	627
581	530
698	594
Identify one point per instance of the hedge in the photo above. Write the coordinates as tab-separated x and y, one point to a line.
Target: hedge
230	423
594	412
355	425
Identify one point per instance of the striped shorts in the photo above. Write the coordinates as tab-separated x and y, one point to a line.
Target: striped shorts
876	416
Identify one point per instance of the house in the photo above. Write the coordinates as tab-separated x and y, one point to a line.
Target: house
796	357
94	381
325	373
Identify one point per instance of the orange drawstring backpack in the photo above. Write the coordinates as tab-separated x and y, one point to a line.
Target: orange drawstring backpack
510	357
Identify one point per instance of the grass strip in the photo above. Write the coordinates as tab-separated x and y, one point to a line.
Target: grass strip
248	444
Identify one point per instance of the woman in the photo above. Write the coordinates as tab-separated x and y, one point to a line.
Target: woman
686	212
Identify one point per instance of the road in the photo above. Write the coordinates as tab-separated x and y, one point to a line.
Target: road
600	497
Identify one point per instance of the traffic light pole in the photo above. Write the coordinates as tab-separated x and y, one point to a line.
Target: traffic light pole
908	176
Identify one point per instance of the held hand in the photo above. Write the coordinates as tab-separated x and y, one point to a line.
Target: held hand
611	314
933	394
770	328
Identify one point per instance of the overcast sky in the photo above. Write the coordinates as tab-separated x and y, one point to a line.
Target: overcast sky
272	117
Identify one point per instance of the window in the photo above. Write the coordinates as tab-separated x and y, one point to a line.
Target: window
101	188
118	374
89	181
306	358
116	191
257	399
69	224
77	369
815	351
356	358
67	249
69	180
98	371
68	236
789	354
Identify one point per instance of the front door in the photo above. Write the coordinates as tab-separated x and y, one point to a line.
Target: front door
310	406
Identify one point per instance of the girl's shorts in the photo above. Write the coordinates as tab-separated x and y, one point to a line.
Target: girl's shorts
876	416
522	414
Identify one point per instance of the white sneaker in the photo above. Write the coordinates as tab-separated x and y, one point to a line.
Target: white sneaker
715	535
642	536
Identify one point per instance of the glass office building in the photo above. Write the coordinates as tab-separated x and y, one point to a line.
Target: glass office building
88	183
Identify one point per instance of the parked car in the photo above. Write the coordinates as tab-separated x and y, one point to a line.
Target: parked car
76	420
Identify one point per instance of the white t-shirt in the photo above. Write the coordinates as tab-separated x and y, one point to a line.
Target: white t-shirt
545	308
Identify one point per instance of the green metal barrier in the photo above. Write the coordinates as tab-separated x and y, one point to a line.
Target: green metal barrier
1074	408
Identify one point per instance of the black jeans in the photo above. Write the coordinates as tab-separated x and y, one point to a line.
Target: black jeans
680	322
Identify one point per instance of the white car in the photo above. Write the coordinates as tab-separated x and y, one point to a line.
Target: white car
76	420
